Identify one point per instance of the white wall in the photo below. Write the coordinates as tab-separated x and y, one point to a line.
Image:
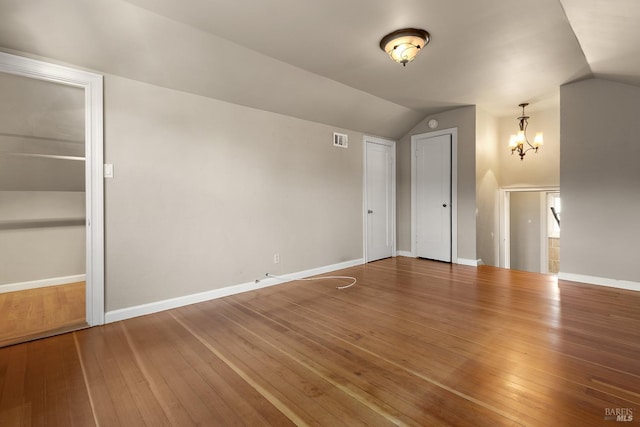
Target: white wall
487	188
40	117
536	170
525	222
600	179
42	235
206	192
465	120
539	170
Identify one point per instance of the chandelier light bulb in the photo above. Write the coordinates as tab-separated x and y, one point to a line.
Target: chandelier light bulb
538	141
513	141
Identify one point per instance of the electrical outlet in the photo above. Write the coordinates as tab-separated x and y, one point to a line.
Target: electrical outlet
276	258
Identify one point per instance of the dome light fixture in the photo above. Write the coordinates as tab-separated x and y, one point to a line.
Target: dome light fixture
405	44
517	142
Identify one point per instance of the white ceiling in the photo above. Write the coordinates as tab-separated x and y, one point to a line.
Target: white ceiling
320	60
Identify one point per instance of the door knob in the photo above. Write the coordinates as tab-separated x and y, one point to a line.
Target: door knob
444	205
369	211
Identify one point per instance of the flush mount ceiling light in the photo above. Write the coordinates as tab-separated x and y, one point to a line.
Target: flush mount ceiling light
404	45
517	142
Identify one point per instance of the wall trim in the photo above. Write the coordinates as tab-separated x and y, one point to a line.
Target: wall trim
92	84
600	281
469	262
461	261
41	283
154	307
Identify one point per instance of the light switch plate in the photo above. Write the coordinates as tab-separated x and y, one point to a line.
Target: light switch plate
108	170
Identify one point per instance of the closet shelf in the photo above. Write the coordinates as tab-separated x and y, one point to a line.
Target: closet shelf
40	223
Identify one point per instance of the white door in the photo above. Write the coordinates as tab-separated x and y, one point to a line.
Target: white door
379	198
433	197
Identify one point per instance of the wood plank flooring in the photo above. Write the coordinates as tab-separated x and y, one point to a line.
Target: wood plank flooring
35	313
414	342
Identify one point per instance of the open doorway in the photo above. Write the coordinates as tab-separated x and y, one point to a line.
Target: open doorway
530	229
51	199
553	212
42	208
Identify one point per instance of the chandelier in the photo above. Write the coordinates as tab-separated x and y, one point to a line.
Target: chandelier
404	45
517	142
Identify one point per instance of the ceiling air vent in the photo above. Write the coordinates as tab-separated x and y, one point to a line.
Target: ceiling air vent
340	140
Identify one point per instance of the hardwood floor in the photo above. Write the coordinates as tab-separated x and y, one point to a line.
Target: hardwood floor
34	313
414	342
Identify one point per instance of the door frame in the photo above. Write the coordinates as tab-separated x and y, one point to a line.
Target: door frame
366	139
94	187
505	224
453	132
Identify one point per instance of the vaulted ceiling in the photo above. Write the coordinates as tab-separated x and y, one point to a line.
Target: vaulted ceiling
320	60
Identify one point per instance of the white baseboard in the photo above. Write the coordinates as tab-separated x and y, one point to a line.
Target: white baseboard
154	307
462	261
42	283
405	253
469	262
601	281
